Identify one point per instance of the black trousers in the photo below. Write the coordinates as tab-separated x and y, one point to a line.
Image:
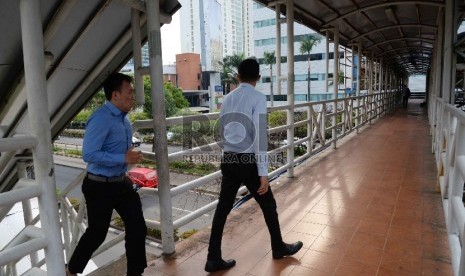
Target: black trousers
101	199
238	169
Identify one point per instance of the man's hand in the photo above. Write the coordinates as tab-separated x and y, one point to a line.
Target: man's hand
133	156
264	185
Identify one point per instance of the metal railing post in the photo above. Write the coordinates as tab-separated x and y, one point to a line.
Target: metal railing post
336	85
359	78
34	70
137	56
27	209
159	125
290	85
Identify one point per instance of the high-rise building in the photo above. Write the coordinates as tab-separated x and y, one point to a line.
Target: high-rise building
202	31
205	22
264	26
237	27
129	67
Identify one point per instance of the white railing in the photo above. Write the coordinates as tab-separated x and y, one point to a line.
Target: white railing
322	132
351	114
448	128
31	239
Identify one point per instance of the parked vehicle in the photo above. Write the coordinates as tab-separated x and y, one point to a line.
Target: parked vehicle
144	177
303	144
135	141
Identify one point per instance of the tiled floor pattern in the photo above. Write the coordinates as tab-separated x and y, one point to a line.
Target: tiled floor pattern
367	208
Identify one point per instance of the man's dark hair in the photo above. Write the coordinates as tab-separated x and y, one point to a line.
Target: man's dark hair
114	82
249	70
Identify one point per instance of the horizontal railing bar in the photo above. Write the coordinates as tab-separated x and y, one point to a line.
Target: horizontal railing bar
18	195
77	181
194	183
19	251
153	224
182	120
180	154
18	142
109	244
195	214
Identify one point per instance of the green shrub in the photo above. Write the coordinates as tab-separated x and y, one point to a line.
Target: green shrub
83	115
182	165
75	203
73	152
74	133
189	233
135	116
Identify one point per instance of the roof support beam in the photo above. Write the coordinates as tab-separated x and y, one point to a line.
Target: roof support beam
389	3
431	41
392	27
401	49
140	5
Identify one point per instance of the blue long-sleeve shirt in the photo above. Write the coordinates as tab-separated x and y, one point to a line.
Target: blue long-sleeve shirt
243	124
108	136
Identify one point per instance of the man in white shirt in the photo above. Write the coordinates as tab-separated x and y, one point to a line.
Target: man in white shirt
243	130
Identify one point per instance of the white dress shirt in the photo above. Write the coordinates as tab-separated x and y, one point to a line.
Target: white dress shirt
243	124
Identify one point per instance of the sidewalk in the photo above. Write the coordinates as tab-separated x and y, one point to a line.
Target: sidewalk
367	208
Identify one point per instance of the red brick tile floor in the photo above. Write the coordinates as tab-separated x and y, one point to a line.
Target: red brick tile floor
369	207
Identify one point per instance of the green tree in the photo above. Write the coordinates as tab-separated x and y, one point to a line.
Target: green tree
174	99
306	46
229	74
179	100
269	59
96	101
341	77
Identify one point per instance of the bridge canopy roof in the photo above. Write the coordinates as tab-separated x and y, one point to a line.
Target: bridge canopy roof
401	33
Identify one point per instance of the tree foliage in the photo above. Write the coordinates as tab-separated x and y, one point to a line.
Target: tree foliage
174	102
230	67
174	99
306	46
269	59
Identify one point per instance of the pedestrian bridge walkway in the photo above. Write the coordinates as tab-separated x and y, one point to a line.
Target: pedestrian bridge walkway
369	207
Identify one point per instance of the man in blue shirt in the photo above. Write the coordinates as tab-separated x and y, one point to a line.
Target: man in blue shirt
107	148
243	130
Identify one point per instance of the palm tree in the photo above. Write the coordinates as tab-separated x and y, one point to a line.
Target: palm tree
306	46
269	59
230	66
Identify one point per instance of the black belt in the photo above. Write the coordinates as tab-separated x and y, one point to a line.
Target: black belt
100	178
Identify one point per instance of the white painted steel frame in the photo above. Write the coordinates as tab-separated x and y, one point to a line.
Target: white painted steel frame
30	240
159	124
447	124
356	112
451	180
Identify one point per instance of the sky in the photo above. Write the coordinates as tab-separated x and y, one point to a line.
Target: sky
171	40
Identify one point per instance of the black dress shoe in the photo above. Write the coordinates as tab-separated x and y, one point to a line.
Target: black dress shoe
212	266
288	250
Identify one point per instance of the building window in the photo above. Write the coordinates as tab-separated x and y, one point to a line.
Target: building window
264	23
